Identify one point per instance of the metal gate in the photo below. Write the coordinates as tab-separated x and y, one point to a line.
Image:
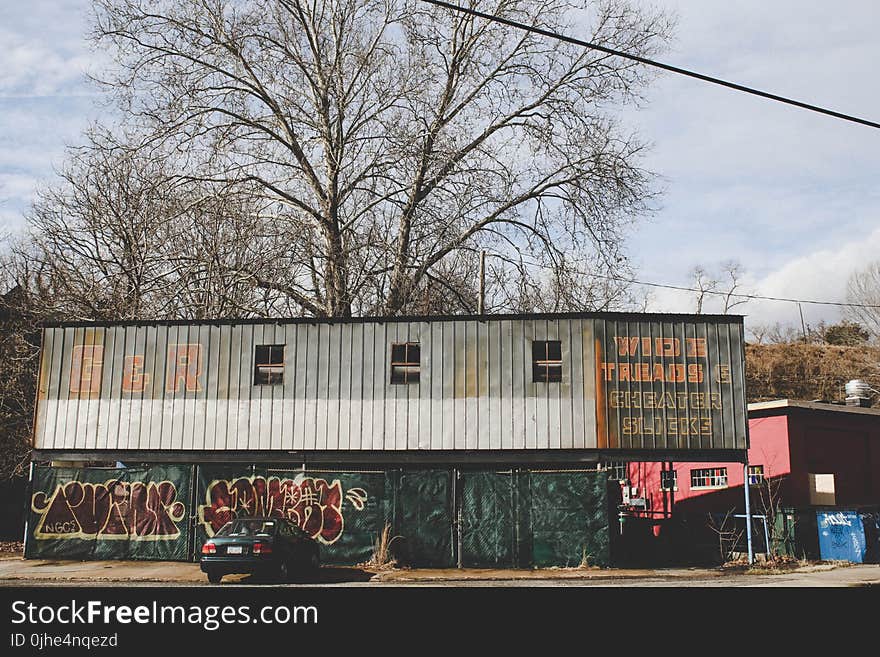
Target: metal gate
568	518
423	514
487	519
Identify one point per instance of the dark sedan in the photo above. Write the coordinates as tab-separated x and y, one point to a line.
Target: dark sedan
266	547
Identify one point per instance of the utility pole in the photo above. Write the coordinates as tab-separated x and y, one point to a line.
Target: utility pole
482	302
803	324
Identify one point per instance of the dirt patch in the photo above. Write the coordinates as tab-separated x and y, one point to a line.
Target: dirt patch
780	566
487	574
11	549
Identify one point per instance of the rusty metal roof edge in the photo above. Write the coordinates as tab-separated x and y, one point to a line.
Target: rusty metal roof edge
780	404
463	458
625	316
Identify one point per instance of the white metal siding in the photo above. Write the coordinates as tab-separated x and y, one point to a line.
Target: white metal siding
475	391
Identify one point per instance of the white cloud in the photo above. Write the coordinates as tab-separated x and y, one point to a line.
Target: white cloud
818	276
29	68
786	192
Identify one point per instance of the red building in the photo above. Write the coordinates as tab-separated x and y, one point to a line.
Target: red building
814	456
821	454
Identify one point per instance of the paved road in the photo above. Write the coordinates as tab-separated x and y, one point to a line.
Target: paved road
19	572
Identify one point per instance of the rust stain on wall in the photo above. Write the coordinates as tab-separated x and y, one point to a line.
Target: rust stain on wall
601	423
470	373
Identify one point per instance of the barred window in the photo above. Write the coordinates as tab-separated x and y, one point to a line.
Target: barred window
268	364
709	478
546	361
756	475
668	480
405	362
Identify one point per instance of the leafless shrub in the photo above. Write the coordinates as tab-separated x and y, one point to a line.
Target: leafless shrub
726	532
382	557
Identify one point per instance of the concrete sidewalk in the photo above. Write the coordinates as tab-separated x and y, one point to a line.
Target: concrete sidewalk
15	571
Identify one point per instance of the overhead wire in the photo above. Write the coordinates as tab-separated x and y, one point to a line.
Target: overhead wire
656	64
738	295
684	288
698	76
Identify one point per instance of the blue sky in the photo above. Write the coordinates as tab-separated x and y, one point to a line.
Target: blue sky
790	194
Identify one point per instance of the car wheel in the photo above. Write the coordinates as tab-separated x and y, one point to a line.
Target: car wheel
214	578
283	572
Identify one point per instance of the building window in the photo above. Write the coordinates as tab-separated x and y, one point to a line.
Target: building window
617	470
709	478
756	475
546	361
405	359
269	364
668	480
822	489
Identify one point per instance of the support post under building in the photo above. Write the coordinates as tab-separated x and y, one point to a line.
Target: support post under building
748	511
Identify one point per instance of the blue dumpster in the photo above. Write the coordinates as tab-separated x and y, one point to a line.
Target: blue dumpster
841	536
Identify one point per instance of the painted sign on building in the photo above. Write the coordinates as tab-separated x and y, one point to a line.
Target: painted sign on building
550	382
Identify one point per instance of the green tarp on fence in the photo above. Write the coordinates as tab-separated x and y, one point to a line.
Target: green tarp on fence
110	513
344	511
424	518
488	519
437	517
569	517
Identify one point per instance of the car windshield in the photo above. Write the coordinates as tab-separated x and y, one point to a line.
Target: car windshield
247	527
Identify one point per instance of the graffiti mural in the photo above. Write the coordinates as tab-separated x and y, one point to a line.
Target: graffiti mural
134	511
314	504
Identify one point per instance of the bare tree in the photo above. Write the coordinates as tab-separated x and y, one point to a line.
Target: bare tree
19	358
727	285
100	235
733	272
383	142
115	238
863	288
704	284
777	333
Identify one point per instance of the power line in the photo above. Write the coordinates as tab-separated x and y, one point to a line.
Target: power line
683	288
656	64
759	297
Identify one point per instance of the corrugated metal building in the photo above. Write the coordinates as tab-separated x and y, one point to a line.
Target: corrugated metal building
442	402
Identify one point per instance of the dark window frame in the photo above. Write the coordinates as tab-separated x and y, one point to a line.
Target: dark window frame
756	475
406	367
665	476
709	478
546	361
269	378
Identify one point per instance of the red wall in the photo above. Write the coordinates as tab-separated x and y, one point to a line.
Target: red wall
846	444
793	443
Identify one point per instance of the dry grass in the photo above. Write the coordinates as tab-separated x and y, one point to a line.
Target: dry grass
382	559
585	560
807	371
778	565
